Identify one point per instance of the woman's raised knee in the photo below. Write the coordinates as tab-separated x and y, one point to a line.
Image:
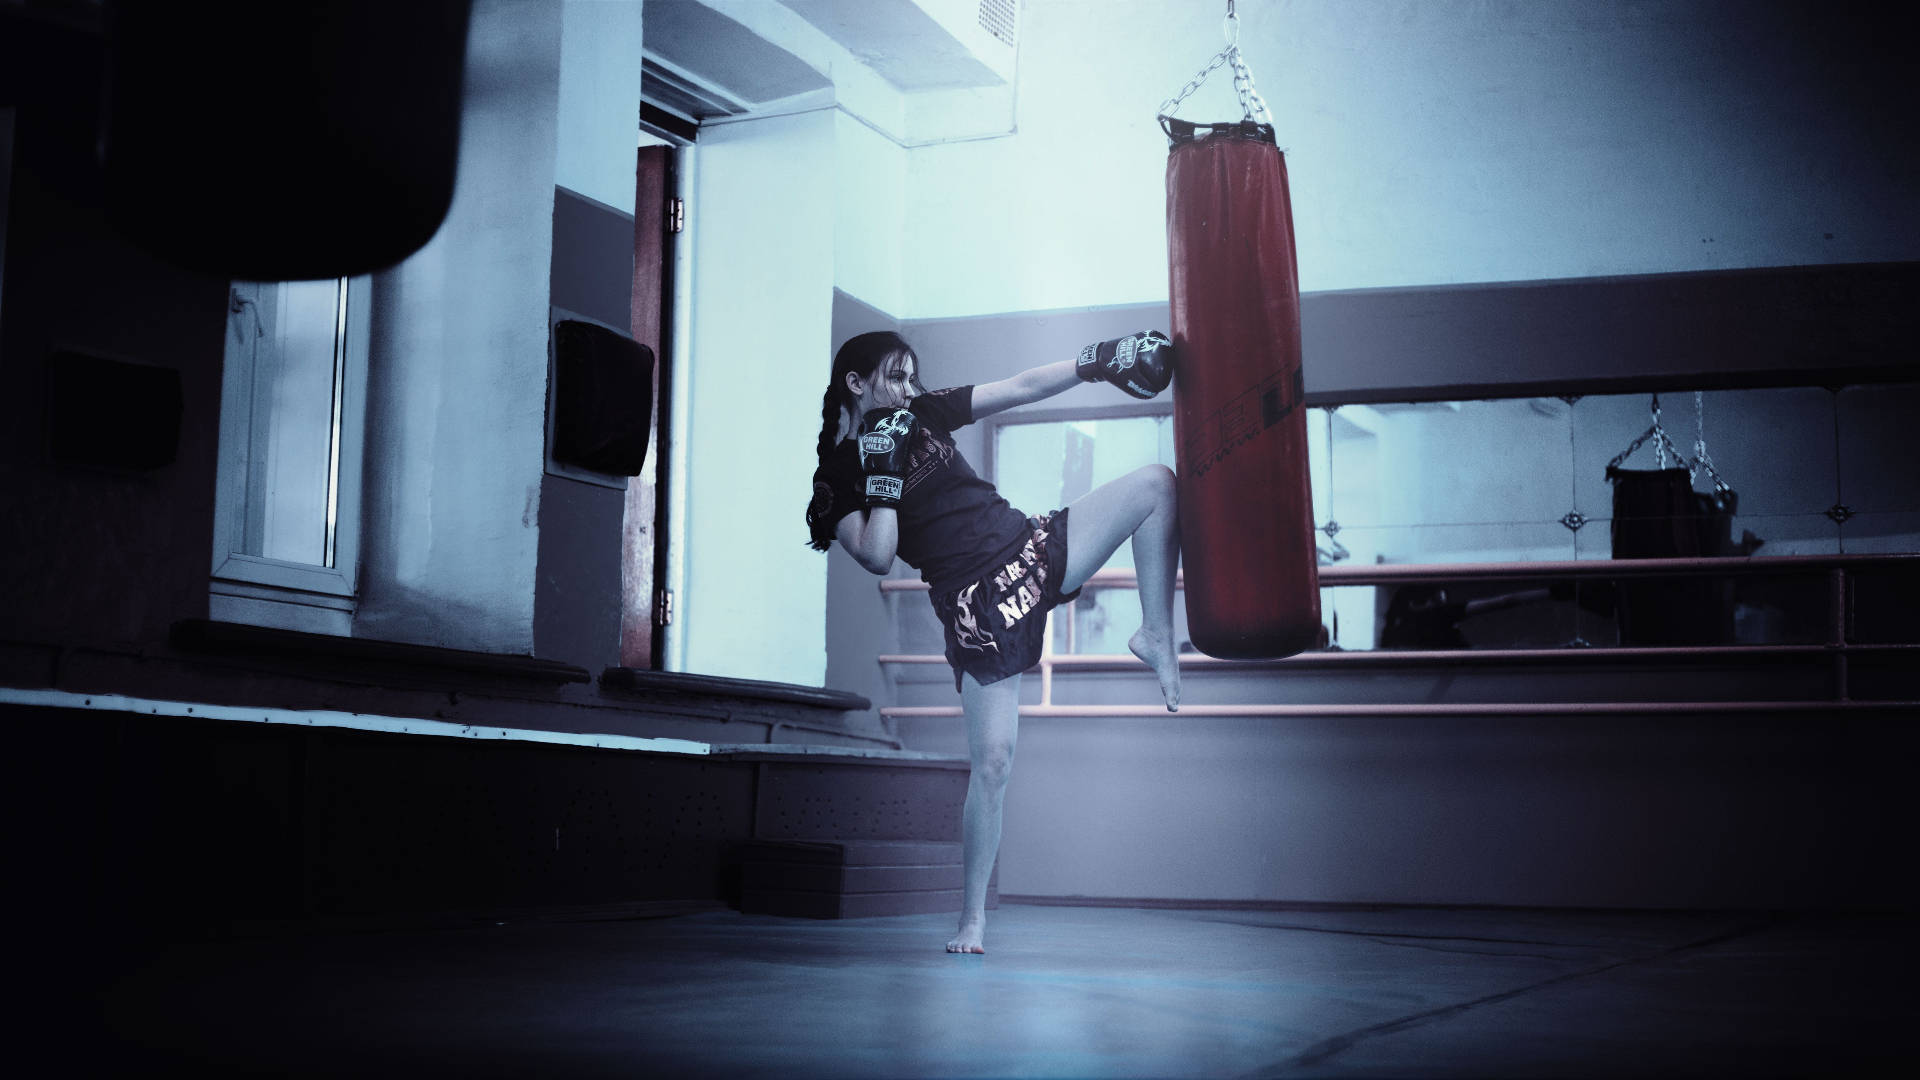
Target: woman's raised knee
1160	481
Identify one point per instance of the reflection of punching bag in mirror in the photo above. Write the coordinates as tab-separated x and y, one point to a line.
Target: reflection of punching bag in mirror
1240	427
1657	514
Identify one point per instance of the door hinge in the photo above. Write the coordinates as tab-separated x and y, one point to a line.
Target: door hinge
676	215
663	607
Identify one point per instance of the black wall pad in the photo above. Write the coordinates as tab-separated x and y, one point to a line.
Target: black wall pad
602	398
111	413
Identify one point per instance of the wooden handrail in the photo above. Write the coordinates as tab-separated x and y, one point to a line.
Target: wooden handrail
1452	657
1837	648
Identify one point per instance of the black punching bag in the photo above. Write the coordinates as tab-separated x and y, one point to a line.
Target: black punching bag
1240	426
278	141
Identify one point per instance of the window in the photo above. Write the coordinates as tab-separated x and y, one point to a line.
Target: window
286	510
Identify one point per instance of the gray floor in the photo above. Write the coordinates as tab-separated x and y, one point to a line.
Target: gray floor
1062	992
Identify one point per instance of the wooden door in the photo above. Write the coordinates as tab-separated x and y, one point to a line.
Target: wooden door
643	556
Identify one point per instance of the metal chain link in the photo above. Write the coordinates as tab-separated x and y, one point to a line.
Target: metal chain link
1662	444
1700	455
1252	105
1172	103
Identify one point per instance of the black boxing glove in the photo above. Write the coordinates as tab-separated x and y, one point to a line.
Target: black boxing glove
1141	364
886	435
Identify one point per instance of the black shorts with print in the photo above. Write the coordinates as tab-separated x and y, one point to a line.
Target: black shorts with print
995	626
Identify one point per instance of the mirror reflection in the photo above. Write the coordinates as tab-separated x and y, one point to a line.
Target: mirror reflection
1678	474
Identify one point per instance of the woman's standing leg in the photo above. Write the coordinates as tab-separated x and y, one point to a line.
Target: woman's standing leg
993	725
1142	505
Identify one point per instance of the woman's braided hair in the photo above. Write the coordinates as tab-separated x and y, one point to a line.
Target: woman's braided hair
861	355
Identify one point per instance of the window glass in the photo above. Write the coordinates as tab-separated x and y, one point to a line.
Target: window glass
293	421
292	409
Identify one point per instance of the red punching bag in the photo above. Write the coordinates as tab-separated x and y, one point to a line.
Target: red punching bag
1240	424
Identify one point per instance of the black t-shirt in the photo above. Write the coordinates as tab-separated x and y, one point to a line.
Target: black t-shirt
951	521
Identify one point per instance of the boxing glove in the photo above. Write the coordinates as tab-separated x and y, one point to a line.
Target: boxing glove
1141	364
886	435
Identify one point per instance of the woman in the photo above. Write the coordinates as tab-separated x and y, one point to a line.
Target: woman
902	489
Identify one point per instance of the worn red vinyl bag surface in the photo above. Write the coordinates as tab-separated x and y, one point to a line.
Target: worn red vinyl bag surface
1240	426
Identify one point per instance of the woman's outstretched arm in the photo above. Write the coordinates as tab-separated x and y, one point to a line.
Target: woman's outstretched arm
1029	386
871	536
1141	364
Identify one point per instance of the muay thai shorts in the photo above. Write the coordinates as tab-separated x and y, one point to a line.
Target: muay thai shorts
995	625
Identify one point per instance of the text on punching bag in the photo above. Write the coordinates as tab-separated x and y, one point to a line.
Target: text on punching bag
1241	420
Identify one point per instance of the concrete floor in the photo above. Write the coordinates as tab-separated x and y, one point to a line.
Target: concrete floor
1063	992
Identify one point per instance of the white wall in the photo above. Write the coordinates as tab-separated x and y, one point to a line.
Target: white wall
599	99
785	210
764	207
1430	142
869	215
457	376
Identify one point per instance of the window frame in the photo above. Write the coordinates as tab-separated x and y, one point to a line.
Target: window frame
279	592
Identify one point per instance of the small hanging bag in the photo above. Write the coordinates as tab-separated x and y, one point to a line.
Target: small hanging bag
1658	515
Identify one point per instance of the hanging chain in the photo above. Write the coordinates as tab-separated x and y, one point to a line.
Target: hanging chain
1663	445
1252	105
1338	550
1700	455
1168	106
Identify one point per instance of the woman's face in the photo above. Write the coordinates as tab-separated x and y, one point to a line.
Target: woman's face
890	386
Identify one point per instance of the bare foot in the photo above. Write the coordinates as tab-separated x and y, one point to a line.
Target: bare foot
1156	652
970	939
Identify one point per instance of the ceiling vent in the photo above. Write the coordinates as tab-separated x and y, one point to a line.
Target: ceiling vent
920	45
1001	18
